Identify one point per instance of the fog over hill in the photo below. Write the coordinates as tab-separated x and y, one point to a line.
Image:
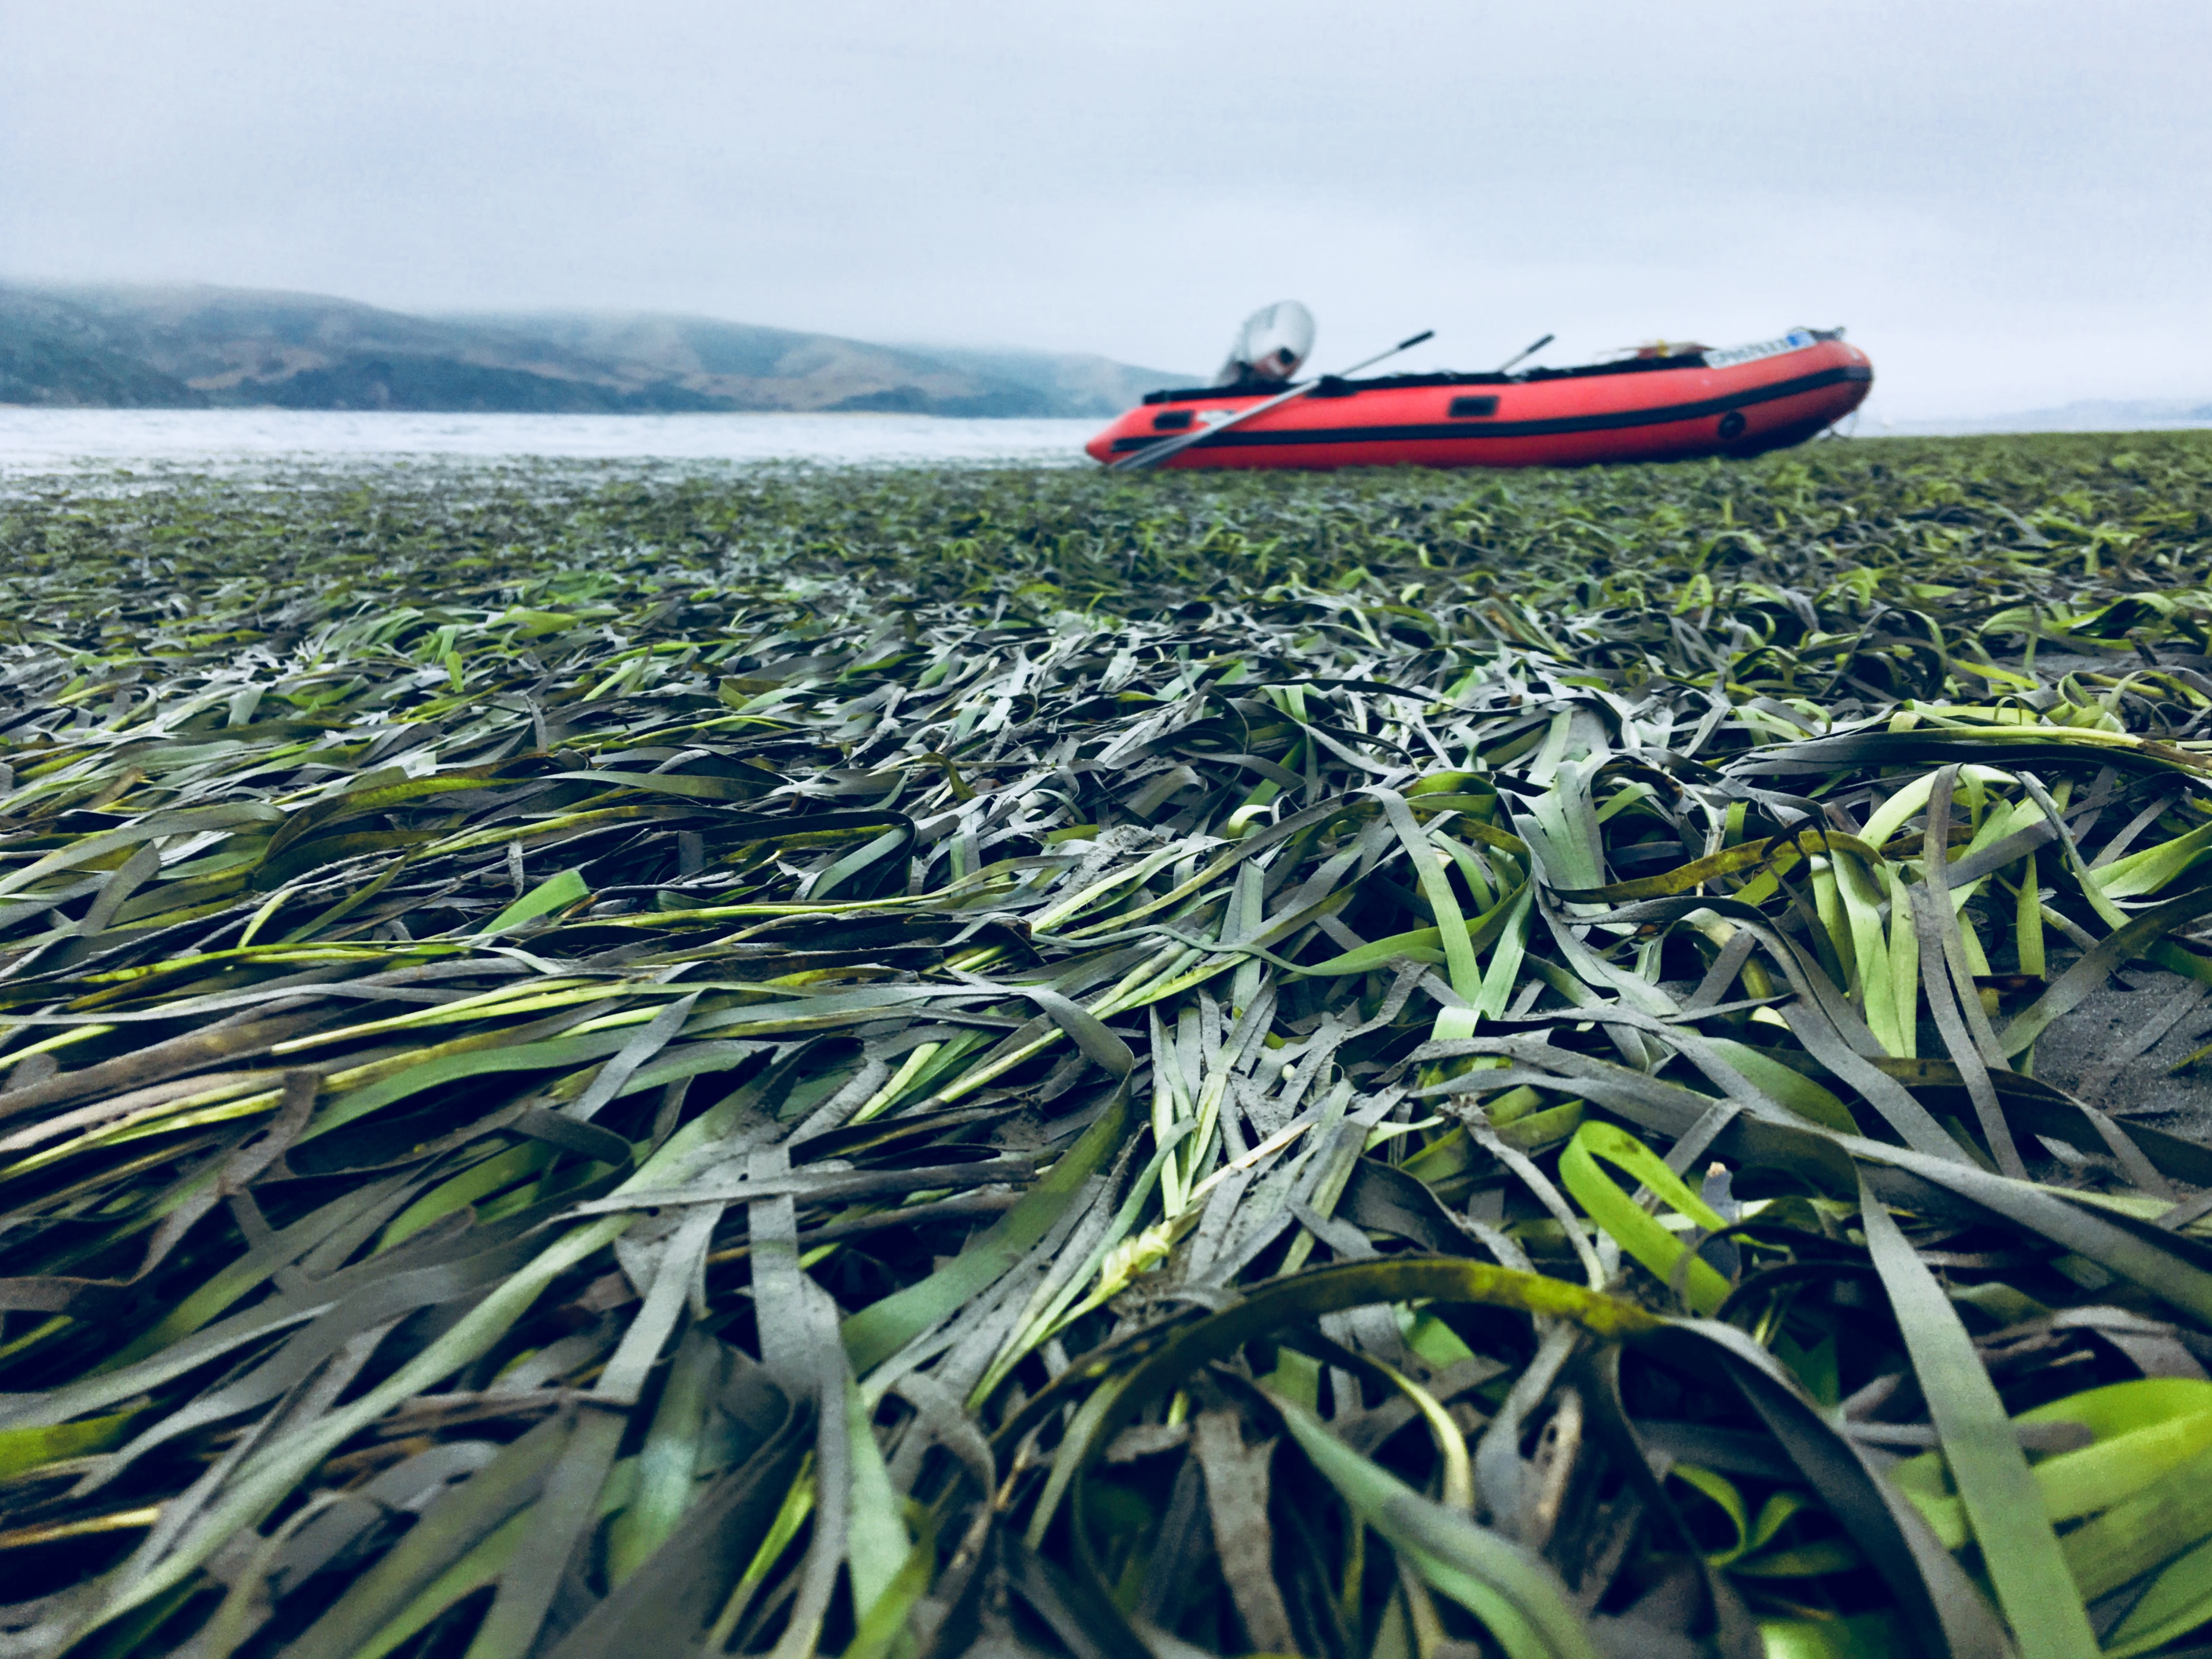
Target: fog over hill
196	347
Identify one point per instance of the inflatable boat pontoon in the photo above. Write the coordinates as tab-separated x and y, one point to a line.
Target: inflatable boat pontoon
1738	402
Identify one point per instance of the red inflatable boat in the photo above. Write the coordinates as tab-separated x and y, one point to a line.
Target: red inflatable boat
1738	402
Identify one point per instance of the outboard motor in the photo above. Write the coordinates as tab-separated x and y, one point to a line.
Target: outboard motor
1268	348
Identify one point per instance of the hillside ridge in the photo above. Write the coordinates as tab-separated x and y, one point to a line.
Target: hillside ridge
202	347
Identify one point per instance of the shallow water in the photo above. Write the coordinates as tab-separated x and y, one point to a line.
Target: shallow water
49	441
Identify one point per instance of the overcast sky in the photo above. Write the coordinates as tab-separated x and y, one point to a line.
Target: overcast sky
2007	202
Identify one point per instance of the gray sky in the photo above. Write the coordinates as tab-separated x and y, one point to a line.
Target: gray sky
2007	202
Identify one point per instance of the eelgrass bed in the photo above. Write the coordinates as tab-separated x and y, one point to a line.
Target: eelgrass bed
890	1064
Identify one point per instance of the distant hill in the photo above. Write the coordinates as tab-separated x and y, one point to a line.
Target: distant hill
197	347
52	353
2139	415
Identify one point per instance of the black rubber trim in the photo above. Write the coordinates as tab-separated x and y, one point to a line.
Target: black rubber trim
1399	382
1620	420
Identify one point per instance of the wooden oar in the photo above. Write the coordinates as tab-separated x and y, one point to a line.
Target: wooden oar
1153	455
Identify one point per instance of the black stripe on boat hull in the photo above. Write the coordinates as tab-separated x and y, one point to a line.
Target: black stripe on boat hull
1619	420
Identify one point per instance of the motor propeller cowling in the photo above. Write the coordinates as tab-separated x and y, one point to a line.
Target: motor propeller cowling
1273	341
